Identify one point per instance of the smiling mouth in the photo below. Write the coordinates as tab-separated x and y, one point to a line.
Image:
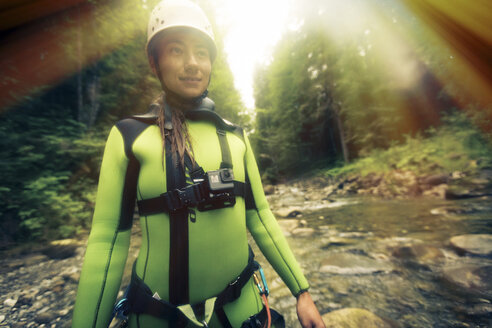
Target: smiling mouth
190	79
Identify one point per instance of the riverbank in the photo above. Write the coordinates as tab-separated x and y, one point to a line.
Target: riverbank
321	190
345	240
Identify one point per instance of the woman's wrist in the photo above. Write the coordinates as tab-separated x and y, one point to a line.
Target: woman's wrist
301	292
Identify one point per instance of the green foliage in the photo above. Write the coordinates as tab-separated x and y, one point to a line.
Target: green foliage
53	140
457	145
350	86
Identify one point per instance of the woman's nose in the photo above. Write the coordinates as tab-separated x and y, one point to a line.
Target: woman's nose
191	62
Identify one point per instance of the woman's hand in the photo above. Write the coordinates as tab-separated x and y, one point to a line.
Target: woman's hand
307	312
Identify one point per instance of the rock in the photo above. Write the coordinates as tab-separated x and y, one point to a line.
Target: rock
481	309
15	264
27	297
303	232
268	189
457	175
347	263
337	241
72	275
419	252
328	190
292	199
449	210
478	244
288	225
2	317
9	302
472	279
436	179
34	259
438	191
63	312
61	249
44	317
457	192
354	318
57	285
288	212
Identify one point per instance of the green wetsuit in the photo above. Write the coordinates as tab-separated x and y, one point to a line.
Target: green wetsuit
216	240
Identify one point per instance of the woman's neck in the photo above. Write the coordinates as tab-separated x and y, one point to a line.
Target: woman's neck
178	102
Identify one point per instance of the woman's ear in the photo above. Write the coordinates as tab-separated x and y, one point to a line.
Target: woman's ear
153	65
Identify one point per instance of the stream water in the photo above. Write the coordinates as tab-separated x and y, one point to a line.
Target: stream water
355	257
356	254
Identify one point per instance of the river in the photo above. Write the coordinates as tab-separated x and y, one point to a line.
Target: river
391	257
360	254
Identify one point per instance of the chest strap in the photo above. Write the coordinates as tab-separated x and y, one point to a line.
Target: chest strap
190	196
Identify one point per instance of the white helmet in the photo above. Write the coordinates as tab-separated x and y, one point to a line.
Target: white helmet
180	13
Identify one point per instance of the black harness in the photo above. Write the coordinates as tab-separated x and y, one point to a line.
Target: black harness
210	190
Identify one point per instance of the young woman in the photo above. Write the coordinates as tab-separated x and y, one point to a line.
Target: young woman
198	190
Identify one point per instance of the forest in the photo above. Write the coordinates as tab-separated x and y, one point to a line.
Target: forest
371	127
337	97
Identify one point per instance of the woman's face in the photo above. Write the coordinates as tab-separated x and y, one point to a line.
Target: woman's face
184	62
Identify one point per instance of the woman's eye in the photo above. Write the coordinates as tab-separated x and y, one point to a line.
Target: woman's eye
202	53
176	50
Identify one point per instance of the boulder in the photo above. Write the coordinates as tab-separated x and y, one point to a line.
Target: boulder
288	212
470	279
45	317
61	249
354	318
477	244
436	179
347	263
419	252
438	191
336	241
459	192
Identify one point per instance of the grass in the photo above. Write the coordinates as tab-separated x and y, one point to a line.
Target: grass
456	145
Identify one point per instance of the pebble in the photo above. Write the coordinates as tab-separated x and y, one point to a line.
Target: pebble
9	302
45	317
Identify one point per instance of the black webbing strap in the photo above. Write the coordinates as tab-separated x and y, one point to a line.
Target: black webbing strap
194	169
141	300
222	316
178	234
233	289
224	148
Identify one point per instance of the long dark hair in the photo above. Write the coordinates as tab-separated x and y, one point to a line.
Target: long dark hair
179	136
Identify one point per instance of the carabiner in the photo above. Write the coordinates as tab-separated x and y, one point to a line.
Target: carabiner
263	280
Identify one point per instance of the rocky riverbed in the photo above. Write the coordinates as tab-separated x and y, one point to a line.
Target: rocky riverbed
392	261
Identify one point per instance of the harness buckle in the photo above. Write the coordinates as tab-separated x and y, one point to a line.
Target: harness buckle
178	199
235	281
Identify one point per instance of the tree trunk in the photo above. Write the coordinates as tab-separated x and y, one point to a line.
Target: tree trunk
93	92
80	94
341	132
